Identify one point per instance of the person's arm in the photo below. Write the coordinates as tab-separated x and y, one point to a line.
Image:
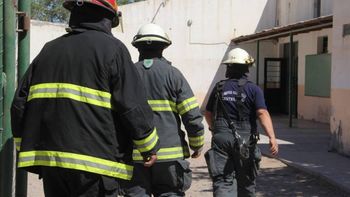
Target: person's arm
209	112
266	122
18	106
188	108
209	119
130	102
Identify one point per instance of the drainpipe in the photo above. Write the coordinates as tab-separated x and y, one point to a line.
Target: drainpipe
23	63
6	159
290	86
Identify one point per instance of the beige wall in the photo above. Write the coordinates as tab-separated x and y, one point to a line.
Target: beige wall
292	11
309	107
340	124
42	32
201	31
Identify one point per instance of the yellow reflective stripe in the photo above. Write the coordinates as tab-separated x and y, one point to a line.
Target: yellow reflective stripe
70	91
164	153
196	141
70	96
185	102
71	86
171	103
75	161
162	105
148	143
18	142
187	105
188	108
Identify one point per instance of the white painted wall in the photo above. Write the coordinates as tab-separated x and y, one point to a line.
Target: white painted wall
292	11
42	32
198	49
340	125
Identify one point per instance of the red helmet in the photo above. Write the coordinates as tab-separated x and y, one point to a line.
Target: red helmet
110	5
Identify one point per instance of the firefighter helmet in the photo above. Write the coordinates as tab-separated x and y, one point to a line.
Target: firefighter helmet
151	33
110	5
238	56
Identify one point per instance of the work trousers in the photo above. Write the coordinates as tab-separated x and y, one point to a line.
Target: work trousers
59	182
171	178
232	175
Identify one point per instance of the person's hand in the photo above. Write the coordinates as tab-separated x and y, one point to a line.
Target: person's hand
196	153
150	160
273	146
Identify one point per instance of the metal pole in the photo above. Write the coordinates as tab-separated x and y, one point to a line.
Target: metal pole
290	85
257	61
23	63
7	153
1	70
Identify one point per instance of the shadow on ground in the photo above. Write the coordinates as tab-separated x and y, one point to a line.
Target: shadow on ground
274	182
288	182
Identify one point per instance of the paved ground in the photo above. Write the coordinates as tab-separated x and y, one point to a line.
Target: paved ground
275	179
303	147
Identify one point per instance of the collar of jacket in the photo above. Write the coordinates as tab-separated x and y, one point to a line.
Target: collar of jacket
105	25
141	58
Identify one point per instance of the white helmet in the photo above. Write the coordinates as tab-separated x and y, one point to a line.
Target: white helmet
238	56
151	33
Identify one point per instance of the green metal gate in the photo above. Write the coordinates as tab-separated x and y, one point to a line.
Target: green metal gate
8	37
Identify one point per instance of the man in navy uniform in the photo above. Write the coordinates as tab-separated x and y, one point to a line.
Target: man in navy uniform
231	113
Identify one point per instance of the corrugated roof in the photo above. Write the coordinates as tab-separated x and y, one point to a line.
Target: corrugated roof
283	31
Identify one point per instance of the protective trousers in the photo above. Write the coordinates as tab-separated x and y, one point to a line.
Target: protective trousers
170	178
231	174
60	182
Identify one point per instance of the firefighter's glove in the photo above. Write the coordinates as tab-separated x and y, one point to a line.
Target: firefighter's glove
149	160
197	153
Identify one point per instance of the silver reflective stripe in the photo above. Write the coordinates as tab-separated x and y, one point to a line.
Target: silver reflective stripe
147	143
75	161
165	153
75	92
187	105
70	91
162	105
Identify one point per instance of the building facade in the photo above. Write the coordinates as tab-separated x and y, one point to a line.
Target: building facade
312	85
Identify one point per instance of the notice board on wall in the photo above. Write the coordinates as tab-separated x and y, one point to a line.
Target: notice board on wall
318	75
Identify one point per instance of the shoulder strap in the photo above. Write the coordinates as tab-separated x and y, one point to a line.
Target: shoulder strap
219	88
239	98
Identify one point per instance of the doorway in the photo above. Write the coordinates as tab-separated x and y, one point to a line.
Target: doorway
275	86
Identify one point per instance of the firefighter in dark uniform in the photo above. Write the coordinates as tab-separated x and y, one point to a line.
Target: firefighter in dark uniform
76	92
171	100
231	113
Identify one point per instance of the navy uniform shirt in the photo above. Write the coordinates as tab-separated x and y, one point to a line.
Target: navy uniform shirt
252	98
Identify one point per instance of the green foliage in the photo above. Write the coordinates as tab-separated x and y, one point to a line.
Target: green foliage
49	10
52	10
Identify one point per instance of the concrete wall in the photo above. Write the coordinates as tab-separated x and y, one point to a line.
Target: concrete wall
309	107
340	125
201	31
42	32
292	11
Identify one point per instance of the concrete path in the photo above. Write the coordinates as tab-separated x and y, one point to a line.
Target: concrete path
305	146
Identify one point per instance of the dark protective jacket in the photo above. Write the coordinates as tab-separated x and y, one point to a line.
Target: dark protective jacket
77	91
171	100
